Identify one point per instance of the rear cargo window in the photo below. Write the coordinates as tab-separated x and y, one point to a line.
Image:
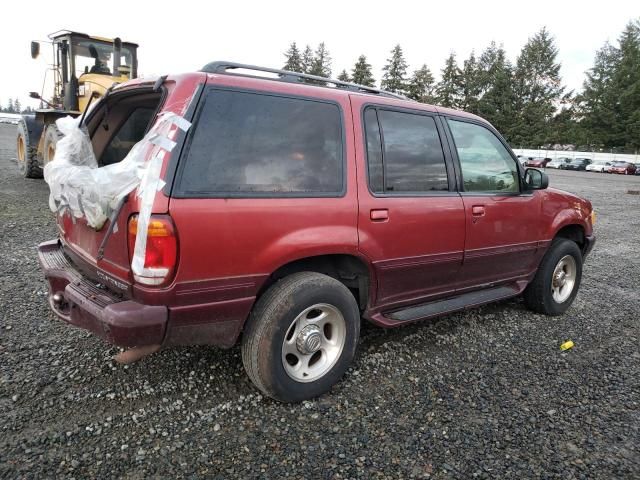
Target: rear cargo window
250	144
131	132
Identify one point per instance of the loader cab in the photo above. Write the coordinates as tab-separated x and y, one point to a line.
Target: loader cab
87	66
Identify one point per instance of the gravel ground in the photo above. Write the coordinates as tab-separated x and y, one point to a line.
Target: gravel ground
486	393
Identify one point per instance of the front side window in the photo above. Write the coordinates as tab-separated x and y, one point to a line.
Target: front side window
487	166
251	144
404	153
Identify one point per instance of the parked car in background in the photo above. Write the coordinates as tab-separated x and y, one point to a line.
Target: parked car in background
622	168
601	166
391	239
558	163
577	164
523	159
538	162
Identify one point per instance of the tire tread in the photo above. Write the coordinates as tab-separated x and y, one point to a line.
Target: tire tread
535	295
264	317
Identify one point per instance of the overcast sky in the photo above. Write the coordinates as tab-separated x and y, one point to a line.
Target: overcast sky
180	36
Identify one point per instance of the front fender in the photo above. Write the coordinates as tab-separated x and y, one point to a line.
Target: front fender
561	209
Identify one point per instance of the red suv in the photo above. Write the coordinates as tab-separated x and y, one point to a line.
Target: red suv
293	207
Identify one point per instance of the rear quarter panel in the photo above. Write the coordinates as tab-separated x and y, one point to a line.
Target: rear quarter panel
228	247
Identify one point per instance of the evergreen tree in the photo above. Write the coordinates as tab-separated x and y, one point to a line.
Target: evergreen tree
361	73
449	90
626	84
471	84
293	61
421	84
321	64
344	76
394	77
597	103
495	83
307	59
538	88
9	108
17	106
564	128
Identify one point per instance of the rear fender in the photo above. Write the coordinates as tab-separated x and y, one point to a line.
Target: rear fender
309	242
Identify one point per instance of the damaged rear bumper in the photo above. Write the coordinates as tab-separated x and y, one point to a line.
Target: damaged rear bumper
80	302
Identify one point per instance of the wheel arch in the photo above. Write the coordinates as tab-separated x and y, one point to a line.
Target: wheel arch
575	232
354	271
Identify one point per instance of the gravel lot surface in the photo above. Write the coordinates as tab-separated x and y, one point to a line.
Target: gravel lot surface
481	394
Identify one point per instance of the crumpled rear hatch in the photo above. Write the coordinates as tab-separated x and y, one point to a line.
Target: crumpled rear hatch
99	173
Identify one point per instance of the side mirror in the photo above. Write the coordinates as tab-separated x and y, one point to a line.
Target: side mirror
35	50
535	179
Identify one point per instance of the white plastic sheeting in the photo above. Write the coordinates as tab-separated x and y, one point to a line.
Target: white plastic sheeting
83	189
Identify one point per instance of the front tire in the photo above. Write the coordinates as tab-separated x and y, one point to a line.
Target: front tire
27	152
557	280
301	337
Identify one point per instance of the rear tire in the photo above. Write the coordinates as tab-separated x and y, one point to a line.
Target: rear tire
560	268
283	330
51	137
27	152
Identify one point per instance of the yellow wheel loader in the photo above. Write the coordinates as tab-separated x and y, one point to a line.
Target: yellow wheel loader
84	68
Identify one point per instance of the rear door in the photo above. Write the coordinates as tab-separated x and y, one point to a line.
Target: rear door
411	219
502	221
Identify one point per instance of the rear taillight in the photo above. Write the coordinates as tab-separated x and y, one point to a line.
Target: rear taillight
161	251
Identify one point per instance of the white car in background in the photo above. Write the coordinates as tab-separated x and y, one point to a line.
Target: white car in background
558	162
601	166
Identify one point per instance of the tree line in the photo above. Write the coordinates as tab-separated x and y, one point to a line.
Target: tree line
526	99
14	106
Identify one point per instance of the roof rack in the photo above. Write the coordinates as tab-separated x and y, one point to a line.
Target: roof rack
294	77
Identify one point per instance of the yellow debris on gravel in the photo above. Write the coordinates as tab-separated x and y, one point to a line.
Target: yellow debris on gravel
566	345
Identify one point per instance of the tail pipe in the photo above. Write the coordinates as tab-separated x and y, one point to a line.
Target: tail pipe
136	353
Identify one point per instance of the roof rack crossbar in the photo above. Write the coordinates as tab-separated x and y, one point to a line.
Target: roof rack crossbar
295	77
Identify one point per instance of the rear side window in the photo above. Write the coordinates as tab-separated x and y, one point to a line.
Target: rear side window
404	153
250	144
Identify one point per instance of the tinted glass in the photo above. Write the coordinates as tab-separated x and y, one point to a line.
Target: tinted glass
248	143
413	160
131	132
486	164
374	150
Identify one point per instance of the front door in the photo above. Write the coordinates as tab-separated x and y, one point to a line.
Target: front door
502	221
410	220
